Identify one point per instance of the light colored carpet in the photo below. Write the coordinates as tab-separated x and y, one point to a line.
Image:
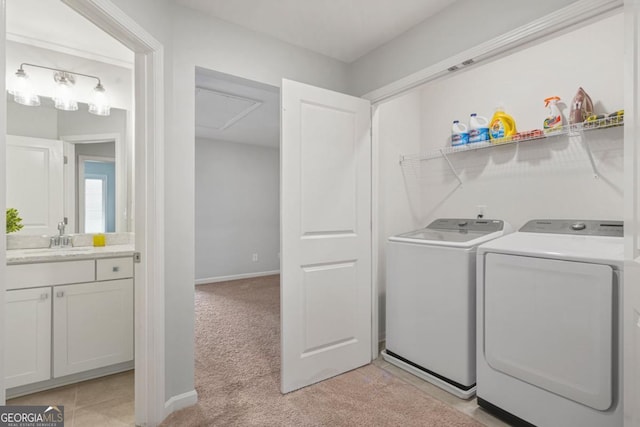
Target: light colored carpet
238	373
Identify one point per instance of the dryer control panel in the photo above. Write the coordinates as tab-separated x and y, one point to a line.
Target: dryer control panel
577	227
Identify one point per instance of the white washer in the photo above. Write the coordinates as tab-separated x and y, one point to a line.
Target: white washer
430	301
549	324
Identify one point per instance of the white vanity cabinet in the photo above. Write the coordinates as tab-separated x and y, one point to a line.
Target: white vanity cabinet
67	317
92	325
27	350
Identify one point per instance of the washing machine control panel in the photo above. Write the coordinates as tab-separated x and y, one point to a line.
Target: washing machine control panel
484	226
577	227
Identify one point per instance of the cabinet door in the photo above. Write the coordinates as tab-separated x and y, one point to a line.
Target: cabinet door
92	325
27	349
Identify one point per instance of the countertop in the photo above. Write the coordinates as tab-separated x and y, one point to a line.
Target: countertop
29	256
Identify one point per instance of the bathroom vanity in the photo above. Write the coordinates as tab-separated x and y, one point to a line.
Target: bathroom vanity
69	315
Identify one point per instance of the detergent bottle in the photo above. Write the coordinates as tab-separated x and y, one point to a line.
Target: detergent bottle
478	128
501	127
459	134
554	121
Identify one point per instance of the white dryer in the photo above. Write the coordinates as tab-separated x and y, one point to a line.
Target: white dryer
549	324
430	301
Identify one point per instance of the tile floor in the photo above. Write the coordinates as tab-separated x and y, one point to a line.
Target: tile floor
108	401
103	402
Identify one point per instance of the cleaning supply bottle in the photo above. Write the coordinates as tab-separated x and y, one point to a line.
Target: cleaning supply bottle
554	121
501	127
478	128
459	134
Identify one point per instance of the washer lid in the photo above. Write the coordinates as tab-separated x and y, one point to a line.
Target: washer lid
454	232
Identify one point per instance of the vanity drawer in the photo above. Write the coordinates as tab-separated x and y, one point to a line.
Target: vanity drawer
114	268
22	276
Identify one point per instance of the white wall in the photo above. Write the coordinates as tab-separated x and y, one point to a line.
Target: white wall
200	41
84	123
545	179
465	24
237	209
221	46
32	121
101	149
399	205
551	178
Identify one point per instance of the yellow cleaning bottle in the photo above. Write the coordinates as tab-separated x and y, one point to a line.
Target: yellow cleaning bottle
502	127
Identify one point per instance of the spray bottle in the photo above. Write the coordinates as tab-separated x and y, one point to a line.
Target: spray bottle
554	121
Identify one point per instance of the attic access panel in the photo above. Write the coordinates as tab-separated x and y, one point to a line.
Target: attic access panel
219	110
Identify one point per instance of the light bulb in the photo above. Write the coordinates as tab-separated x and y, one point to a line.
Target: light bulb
99	104
22	90
64	99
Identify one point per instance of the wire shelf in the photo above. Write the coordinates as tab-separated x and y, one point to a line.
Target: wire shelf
537	135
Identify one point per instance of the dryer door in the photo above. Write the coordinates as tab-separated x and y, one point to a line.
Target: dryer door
550	323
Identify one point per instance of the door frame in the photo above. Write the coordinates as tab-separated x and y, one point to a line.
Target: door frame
631	308
149	196
123	210
149	201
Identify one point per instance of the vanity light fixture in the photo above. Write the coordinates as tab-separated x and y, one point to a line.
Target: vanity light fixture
22	90
24	93
64	95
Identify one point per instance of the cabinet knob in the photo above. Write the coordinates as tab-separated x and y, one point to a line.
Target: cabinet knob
44	296
60	294
115	269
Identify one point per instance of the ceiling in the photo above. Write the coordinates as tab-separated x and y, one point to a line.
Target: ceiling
233	109
341	29
229	108
38	23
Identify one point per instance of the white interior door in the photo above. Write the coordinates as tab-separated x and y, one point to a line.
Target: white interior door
326	234
35	182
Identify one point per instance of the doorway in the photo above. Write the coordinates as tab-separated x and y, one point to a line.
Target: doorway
237	219
149	334
67	357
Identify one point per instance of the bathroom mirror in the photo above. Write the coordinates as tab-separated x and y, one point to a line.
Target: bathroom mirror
68	166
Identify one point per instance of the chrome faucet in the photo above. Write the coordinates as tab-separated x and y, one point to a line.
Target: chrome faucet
61	240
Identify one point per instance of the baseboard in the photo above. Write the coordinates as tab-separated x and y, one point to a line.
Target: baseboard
235	277
180	401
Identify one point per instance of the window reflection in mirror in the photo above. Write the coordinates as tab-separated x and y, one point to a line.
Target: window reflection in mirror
68	164
97	192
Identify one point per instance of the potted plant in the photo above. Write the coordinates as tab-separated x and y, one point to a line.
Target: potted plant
14	222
